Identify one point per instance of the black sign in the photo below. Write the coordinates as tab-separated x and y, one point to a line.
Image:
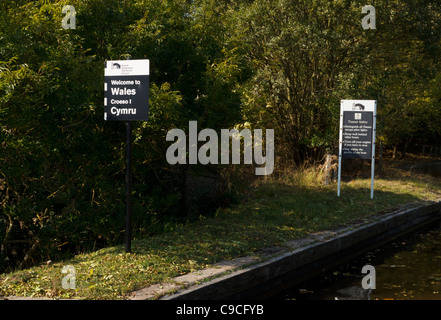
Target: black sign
357	134
126	90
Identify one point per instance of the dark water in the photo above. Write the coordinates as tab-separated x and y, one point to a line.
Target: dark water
407	268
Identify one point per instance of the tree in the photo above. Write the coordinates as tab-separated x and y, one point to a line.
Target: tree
400	73
62	177
300	51
307	55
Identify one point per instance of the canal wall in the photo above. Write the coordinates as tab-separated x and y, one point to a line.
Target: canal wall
281	267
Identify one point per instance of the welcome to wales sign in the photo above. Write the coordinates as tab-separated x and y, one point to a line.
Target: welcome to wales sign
126	90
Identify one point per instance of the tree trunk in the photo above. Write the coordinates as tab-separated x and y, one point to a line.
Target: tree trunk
380	157
3	248
29	254
328	171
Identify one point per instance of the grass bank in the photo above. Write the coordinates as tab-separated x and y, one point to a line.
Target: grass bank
282	208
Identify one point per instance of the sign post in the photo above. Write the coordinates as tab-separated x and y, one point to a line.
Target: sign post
126	98
128	235
357	134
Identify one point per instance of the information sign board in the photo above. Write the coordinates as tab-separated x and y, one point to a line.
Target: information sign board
126	90
357	133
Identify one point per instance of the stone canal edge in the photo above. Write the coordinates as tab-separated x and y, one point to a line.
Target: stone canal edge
274	268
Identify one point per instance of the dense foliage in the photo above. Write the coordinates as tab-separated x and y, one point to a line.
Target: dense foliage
281	64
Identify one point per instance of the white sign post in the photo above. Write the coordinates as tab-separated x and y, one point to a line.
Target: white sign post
357	134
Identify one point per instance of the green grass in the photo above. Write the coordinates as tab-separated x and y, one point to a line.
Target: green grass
291	206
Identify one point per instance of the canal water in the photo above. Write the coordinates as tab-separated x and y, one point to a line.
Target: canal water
407	268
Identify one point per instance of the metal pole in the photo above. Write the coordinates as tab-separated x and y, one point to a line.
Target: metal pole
372	175
373	149
339	175
340	146
128	243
